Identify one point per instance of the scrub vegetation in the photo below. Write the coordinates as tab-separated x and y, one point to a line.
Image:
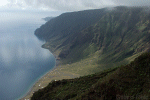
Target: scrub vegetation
132	81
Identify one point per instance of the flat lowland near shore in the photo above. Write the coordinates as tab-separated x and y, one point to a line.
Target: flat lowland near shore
65	71
56	74
68	71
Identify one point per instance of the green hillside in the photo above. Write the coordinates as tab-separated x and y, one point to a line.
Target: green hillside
47	18
68	23
119	35
96	41
130	81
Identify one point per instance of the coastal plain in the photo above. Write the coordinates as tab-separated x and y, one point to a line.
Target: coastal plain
55	74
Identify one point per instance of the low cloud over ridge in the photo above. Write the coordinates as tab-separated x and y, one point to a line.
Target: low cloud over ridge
73	5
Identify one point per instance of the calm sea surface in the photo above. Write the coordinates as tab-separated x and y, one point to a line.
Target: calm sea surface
22	60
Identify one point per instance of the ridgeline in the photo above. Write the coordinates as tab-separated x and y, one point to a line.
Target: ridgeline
117	33
91	41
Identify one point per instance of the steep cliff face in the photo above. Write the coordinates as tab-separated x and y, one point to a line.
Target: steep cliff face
117	33
68	23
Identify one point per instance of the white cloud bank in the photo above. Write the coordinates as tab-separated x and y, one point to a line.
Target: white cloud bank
70	5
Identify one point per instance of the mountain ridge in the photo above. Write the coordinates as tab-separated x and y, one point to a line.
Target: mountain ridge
107	38
112	31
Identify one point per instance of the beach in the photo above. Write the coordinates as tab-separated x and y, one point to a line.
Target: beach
57	73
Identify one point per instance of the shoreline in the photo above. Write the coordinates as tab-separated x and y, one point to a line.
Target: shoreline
53	75
31	88
28	94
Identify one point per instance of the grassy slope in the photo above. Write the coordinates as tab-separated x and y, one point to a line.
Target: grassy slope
131	80
118	36
115	39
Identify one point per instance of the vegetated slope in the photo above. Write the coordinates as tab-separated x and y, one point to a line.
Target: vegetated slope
68	23
119	34
126	82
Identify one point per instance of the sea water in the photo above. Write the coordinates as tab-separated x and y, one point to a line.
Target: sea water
22	60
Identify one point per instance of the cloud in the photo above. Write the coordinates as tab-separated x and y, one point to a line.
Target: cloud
73	5
61	5
132	2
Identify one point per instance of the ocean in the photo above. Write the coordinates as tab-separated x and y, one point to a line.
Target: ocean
22	60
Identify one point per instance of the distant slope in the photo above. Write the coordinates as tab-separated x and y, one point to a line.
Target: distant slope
130	81
68	23
118	34
61	31
47	18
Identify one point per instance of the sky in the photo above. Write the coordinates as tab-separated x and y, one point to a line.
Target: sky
67	5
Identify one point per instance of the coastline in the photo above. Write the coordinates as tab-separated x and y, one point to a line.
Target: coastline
53	75
30	91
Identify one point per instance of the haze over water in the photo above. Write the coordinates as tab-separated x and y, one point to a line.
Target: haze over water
22	60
